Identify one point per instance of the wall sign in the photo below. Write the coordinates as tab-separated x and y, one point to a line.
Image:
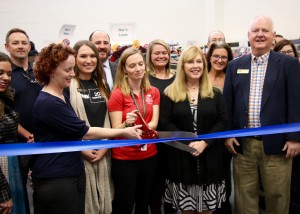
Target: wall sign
122	32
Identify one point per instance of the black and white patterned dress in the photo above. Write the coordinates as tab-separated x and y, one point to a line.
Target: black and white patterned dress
195	197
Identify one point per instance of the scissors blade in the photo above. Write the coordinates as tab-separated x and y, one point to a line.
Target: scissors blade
181	146
177	144
176	134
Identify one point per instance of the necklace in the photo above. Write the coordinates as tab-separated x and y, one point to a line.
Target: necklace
193	99
194	95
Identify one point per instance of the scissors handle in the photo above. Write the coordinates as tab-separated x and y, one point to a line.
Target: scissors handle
148	133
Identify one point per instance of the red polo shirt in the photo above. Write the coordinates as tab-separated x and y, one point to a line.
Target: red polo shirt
119	102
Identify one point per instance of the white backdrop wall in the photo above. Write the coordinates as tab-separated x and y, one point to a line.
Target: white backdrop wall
175	21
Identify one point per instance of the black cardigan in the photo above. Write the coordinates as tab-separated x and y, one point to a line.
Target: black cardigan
208	167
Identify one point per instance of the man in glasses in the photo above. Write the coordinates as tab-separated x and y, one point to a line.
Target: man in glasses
26	88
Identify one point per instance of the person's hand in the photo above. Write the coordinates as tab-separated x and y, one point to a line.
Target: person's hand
131	117
133	132
229	142
6	206
30	138
292	148
199	146
100	154
90	155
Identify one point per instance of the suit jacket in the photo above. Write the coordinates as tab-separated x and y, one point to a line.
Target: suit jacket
280	102
113	68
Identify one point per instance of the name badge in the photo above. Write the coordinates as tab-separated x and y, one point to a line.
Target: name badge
243	71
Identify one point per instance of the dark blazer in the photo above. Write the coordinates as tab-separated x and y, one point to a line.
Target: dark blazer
280	98
113	68
211	117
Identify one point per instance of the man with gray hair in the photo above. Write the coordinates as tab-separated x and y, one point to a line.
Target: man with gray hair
262	89
215	37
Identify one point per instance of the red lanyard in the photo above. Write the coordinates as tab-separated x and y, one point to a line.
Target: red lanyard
136	104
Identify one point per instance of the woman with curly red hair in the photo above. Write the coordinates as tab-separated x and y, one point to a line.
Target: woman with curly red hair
59	178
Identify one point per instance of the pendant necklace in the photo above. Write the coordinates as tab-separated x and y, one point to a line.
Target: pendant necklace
193	98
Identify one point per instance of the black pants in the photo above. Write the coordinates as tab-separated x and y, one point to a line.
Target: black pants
133	180
295	187
59	195
159	186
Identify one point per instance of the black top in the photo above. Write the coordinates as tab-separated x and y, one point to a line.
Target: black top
161	84
211	117
94	104
55	120
26	92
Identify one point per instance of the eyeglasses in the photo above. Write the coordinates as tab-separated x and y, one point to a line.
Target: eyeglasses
29	76
288	52
217	57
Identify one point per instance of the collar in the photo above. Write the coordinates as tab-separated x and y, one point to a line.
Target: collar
261	59
106	64
15	67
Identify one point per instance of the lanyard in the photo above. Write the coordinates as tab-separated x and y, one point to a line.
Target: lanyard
136	104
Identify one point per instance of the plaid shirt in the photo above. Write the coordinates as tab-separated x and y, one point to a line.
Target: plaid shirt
5	194
258	72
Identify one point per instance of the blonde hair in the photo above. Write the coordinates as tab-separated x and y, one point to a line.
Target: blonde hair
178	91
121	79
150	66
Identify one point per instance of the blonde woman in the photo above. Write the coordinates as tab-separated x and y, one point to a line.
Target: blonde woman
158	64
195	182
160	76
133	167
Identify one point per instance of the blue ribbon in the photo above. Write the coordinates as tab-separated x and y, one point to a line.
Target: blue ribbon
70	146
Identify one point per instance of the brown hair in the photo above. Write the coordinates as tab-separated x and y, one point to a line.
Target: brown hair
8	93
218	45
98	73
279	45
48	60
15	30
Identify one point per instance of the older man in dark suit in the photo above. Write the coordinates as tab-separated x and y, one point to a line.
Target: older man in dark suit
262	89
102	42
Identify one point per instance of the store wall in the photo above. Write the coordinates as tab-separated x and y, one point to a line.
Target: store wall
175	21
238	14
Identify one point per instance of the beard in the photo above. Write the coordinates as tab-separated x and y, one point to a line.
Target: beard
103	54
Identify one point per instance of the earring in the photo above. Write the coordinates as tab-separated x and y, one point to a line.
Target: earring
126	76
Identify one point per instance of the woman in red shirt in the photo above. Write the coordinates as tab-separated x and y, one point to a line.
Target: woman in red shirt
133	167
